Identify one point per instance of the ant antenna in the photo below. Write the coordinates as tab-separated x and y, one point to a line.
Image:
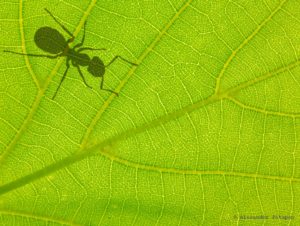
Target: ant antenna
60	24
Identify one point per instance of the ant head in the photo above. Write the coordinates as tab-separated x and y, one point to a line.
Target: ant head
96	67
50	40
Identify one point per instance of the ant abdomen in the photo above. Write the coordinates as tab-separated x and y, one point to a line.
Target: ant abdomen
96	67
50	40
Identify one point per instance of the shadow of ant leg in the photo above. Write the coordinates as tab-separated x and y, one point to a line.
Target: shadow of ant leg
83	77
83	38
109	90
33	55
116	57
62	26
62	79
88	48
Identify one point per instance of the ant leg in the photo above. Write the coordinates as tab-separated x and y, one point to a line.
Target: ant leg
62	79
109	90
116	57
83	37
78	68
62	26
34	55
88	48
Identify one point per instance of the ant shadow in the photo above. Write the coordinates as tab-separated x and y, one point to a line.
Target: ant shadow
51	41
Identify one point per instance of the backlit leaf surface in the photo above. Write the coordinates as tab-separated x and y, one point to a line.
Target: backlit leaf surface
205	130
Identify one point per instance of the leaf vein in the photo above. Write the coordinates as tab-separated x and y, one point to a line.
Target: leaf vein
33	75
129	75
263	111
242	45
36	217
41	92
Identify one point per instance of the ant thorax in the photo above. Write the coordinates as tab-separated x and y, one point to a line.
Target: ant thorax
80	59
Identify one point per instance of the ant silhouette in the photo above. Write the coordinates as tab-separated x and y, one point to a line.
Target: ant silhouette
51	41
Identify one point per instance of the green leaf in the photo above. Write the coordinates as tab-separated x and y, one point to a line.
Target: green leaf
205	130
